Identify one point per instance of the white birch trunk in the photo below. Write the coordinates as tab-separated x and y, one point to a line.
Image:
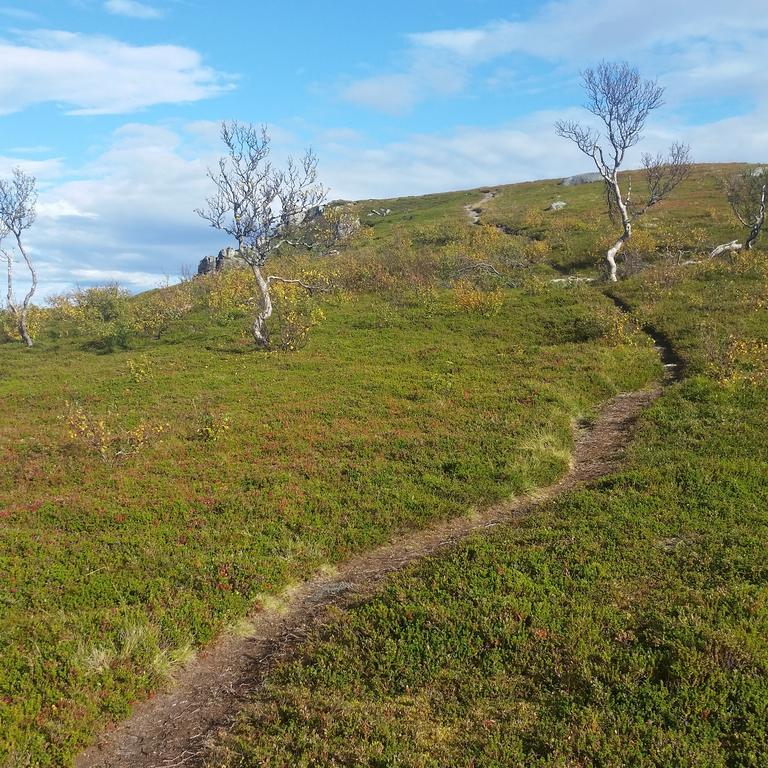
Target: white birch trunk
758	223
263	311
626	222
734	245
22	313
610	257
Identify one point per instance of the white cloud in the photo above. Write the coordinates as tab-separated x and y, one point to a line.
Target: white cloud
523	150
662	36
61	209
581	29
128	214
18	14
99	75
461	159
132	9
43	170
398	93
394	94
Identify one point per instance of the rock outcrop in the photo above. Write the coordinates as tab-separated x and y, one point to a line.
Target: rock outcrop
226	259
558	205
580	178
206	266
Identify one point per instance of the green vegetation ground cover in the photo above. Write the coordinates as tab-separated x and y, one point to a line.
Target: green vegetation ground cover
444	210
622	625
696	218
406	406
396	413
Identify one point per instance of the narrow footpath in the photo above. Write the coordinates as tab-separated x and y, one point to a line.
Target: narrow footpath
171	728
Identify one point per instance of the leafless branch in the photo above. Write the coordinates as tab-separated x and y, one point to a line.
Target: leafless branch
18	201
746	194
665	173
622	101
306	286
262	207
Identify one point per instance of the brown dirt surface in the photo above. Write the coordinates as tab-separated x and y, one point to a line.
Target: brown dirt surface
475	210
171	728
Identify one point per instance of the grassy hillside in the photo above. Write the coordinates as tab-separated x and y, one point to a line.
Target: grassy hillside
693	220
624	624
251	470
153	489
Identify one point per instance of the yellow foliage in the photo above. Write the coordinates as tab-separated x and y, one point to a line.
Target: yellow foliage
101	311
9	324
620	329
153	313
139	369
740	360
230	293
538	250
533	218
109	444
296	313
211	426
642	243
469	298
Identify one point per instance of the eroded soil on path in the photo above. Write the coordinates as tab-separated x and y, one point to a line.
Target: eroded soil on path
171	728
475	210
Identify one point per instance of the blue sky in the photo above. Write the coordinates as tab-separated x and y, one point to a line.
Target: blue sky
114	104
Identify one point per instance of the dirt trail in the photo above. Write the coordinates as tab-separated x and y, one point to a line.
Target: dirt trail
170	729
475	210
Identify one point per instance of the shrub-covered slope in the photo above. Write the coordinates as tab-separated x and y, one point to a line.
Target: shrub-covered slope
151	494
624	624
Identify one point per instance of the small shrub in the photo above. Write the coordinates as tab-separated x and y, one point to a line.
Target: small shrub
230	293
439	235
140	369
538	250
154	312
736	359
9	325
210	426
109	444
533	218
101	312
295	313
471	299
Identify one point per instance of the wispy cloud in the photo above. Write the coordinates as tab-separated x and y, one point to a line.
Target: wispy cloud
132	9
128	213
581	29
719	40
398	93
100	75
18	14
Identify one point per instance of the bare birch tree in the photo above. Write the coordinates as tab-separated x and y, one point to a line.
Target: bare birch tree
622	100
18	200
262	207
746	194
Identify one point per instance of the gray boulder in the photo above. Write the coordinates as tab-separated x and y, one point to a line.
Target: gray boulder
758	171
581	178
558	205
206	266
228	258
